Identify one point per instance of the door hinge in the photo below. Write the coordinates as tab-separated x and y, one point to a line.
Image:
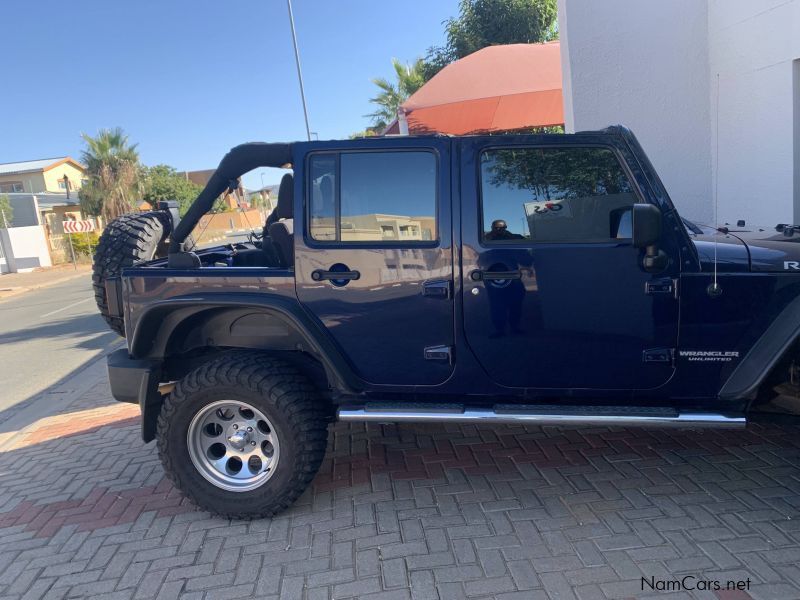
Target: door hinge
659	287
439	353
659	355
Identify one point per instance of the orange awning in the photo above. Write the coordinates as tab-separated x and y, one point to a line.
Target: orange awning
497	88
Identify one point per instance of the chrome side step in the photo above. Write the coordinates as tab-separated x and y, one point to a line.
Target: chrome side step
617	416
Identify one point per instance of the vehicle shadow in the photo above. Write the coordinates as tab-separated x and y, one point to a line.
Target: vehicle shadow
89	332
63	393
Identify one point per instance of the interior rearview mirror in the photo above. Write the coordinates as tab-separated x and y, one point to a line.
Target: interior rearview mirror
646	234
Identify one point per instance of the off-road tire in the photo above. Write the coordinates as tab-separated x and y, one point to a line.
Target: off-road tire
127	240
285	396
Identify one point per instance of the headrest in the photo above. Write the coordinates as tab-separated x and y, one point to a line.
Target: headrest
286	197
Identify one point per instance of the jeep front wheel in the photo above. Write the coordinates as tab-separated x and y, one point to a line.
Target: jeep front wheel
243	435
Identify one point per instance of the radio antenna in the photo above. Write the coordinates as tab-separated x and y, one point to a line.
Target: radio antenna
714	289
299	72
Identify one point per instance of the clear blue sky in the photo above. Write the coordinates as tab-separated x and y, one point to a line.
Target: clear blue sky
188	80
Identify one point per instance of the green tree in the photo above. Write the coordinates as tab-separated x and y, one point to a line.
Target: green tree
409	78
484	23
162	182
84	244
552	173
91	199
6	210
221	205
368	132
112	166
255	200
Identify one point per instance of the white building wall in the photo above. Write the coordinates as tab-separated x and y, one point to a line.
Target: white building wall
653	67
752	44
644	64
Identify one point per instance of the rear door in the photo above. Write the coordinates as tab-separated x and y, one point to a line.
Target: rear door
374	257
554	292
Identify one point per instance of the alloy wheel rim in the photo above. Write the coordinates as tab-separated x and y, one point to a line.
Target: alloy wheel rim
233	445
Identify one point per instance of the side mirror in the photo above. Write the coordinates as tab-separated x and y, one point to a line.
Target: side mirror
646	225
646	234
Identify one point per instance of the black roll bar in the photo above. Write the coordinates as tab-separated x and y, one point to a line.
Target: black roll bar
240	160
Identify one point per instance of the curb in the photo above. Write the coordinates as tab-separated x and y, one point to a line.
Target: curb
42	405
10	292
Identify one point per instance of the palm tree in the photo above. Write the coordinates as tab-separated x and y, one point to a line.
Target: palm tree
409	79
112	165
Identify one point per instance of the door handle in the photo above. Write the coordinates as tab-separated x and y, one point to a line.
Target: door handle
436	289
659	287
320	275
478	275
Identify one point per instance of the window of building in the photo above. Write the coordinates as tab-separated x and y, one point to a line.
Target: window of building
379	196
11	187
409	231
554	195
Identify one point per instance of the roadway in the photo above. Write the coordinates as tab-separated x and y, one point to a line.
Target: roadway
47	334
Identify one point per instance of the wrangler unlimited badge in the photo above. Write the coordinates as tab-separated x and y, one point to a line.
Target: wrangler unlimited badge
708	355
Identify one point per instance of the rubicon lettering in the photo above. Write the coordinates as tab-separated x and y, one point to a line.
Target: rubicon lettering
708	355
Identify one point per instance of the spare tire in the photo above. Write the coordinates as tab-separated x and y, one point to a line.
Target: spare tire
127	240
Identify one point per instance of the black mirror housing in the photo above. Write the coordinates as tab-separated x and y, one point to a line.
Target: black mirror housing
646	225
646	234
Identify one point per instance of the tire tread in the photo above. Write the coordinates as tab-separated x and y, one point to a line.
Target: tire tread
282	386
125	241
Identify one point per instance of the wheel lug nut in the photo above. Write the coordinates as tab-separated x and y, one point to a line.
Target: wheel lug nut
252	443
249	429
236	427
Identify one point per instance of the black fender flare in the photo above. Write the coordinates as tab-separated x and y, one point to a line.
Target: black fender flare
762	357
160	319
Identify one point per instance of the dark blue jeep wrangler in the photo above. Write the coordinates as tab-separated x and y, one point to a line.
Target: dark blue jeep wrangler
542	279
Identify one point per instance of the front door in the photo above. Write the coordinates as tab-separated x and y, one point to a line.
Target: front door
554	293
374	259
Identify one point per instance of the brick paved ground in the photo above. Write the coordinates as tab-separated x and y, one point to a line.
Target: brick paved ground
410	511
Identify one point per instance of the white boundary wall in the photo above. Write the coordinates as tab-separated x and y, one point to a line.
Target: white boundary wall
25	248
652	65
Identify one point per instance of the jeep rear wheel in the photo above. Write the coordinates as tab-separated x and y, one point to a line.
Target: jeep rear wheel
127	240
243	435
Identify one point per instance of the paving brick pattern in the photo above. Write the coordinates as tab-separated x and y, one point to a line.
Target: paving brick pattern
412	511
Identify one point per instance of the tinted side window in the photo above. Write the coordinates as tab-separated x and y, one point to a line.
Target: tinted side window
322	196
381	197
554	195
